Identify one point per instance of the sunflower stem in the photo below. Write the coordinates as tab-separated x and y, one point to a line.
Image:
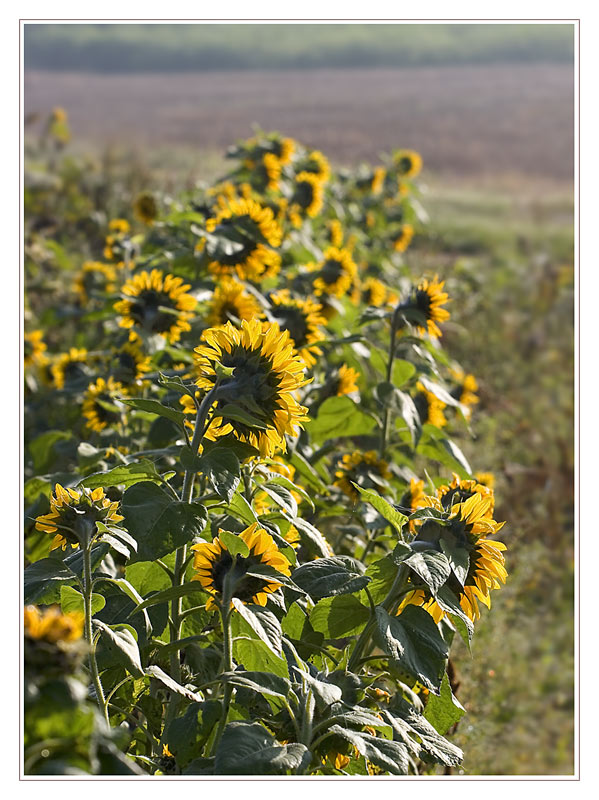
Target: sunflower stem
89	636
391	358
225	613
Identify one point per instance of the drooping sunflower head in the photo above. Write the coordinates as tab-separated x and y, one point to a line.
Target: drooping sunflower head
316	164
408	163
251	231
302	319
52	642
94	279
231	302
429	298
70	368
336	274
365	469
308	194
156	303
429	407
34	348
403	237
74	513
145	208
101	407
214	565
265	374
128	364
374	292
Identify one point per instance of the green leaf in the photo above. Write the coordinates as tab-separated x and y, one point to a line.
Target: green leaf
264	683
390	756
42	449
421	738
43	578
384	508
255	655
72	601
221	468
447	453
247	748
127	589
447	600
339	416
175	384
123	475
403	371
316	540
234	544
308	473
241	509
440	392
281	496
187	733
263	623
159	523
166	595
413	640
280	480
324	693
155	407
159	674
382	573
445	710
124	647
146	576
326	577
458	558
409	413
431	566
339	616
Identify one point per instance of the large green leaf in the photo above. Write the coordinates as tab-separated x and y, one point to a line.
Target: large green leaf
123	475
42	449
431	566
390	756
72	600
124	646
247	748
159	523
444	711
263	623
384	508
413	640
419	736
326	577
42	580
339	616
187	733
339	416
221	468
155	407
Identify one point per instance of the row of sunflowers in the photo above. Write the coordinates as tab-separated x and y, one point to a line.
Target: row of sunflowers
250	533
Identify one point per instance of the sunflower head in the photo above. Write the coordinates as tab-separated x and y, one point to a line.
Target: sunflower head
263	374
316	164
272	168
101	407
74	514
156	303
365	469
53	642
145	208
128	364
429	298
34	349
429	407
403	237
378	180
95	278
408	163
336	274
346	380
374	292
308	193
118	234
215	567
232	303
70	368
458	491
250	231
51	625
302	319
465	388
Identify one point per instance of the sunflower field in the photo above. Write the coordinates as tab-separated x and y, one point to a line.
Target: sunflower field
252	536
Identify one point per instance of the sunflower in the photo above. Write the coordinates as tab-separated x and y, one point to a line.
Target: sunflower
34	348
302	319
365	469
336	273
429	407
52	625
73	511
70	367
374	292
335	232
145	207
272	167
156	303
378	180
458	491
119	228
100	404
466	387
403	239
408	163
231	302
249	226
316	164
346	380
128	364
485	479
308	193
94	278
266	374
213	563
428	298
471	522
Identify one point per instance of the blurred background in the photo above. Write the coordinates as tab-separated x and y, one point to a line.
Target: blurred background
491	110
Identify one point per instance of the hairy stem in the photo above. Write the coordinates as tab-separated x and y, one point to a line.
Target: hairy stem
89	636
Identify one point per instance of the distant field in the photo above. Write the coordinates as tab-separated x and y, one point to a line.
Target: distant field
465	120
157	48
